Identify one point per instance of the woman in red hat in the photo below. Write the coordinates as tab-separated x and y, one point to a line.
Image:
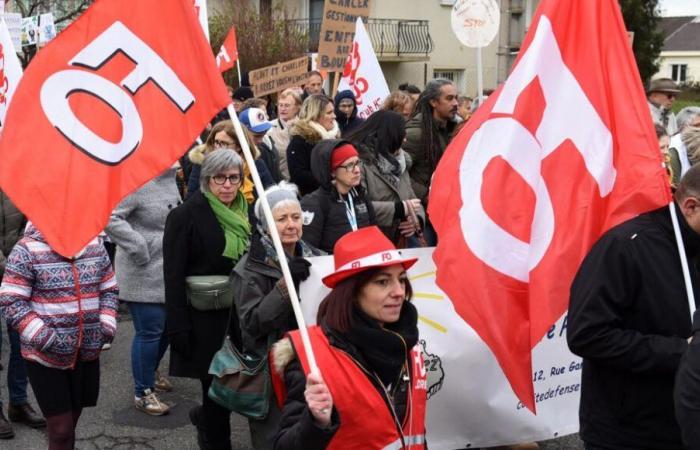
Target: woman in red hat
371	389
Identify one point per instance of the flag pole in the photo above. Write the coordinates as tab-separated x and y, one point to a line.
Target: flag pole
479	76
296	306
238	68
684	261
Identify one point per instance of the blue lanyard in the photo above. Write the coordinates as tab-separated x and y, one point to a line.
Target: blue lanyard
350	212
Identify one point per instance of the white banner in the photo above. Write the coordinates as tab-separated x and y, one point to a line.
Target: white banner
47	28
471	404
363	75
14	25
10	73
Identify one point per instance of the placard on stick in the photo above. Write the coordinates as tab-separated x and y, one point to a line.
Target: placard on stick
279	77
338	31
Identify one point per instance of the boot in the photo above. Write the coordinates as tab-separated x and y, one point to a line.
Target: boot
25	414
6	431
196	419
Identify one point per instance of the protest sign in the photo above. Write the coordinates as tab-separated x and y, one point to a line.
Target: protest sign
363	75
30	31
470	404
10	71
338	31
47	28
279	77
475	22
14	26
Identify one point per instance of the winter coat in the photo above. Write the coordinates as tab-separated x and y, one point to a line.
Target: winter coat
629	320
304	138
63	308
12	225
280	136
262	301
193	244
136	227
687	390
422	169
663	117
324	210
346	124
385	195
270	156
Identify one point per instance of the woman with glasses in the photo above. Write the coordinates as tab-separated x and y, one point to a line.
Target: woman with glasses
288	106
204	238
222	135
340	205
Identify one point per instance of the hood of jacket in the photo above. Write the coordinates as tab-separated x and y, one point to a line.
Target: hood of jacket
306	131
196	155
340	116
321	161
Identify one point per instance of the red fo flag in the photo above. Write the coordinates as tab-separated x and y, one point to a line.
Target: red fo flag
106	106
228	54
563	151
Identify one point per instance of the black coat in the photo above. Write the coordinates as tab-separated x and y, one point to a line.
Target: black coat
687	390
325	214
193	244
299	164
629	320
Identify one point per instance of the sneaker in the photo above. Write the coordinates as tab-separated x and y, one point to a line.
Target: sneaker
162	384
150	404
6	431
106	346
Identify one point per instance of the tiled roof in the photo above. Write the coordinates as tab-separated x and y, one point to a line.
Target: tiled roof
680	33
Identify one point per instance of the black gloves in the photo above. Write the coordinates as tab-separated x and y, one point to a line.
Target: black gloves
299	268
181	343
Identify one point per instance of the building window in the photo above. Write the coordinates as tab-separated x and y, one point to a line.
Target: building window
679	72
452	75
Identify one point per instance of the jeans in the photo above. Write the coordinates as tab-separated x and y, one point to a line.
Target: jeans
149	344
16	370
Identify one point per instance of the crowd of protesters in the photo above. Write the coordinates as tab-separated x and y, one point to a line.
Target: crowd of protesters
196	266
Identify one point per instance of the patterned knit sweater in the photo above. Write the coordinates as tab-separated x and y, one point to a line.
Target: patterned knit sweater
63	308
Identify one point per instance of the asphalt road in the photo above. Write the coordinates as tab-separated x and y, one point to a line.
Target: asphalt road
115	424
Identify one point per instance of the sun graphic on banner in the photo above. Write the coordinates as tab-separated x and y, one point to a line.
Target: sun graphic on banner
429	297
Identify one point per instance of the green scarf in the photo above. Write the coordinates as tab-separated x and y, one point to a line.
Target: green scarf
234	221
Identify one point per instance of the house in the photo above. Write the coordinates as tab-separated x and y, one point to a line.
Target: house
680	56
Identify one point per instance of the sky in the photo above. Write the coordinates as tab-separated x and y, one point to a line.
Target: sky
680	7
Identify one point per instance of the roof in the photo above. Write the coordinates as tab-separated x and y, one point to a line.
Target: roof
680	33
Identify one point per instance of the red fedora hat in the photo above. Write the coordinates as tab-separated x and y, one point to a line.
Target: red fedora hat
361	250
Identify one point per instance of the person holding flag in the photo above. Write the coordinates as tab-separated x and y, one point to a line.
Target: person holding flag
371	389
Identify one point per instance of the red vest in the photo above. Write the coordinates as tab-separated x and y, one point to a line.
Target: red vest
366	422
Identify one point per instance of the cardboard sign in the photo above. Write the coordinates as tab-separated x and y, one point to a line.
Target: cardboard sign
338	31
279	77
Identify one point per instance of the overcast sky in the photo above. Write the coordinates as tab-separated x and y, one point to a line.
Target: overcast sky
680	7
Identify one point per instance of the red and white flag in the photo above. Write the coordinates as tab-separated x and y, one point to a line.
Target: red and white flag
110	103
227	56
362	74
10	70
563	151
200	6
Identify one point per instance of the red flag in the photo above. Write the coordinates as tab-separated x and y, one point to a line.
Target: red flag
106	106
228	54
563	151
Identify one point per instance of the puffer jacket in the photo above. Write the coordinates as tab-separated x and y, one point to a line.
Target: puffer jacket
386	196
12	223
324	212
63	308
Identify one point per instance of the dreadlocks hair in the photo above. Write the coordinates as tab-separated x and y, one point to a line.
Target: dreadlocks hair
429	135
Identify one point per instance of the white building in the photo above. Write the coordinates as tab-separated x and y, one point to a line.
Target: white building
680	56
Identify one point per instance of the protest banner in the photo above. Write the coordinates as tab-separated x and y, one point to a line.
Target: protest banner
30	31
279	77
14	26
10	70
47	28
338	31
108	105
469	402
363	75
560	149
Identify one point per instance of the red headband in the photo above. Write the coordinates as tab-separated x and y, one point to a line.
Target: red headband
342	154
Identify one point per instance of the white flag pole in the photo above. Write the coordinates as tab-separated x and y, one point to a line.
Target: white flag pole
479	76
238	67
684	261
275	239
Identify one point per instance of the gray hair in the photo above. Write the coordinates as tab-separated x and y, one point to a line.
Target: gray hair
686	115
278	196
691	139
217	161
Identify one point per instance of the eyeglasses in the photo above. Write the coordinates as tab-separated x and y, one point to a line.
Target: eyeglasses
670	96
223	144
351	166
221	179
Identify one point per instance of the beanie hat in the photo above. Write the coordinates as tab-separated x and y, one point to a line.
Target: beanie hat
242	93
341	154
274	195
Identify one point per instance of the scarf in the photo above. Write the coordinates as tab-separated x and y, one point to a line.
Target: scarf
248	187
383	349
234	222
302	249
334	133
392	166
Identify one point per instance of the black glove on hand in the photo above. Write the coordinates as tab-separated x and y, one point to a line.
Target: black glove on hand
181	343
299	268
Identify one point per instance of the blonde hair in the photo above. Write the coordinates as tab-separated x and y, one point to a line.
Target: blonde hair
313	108
227	127
291	93
397	101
